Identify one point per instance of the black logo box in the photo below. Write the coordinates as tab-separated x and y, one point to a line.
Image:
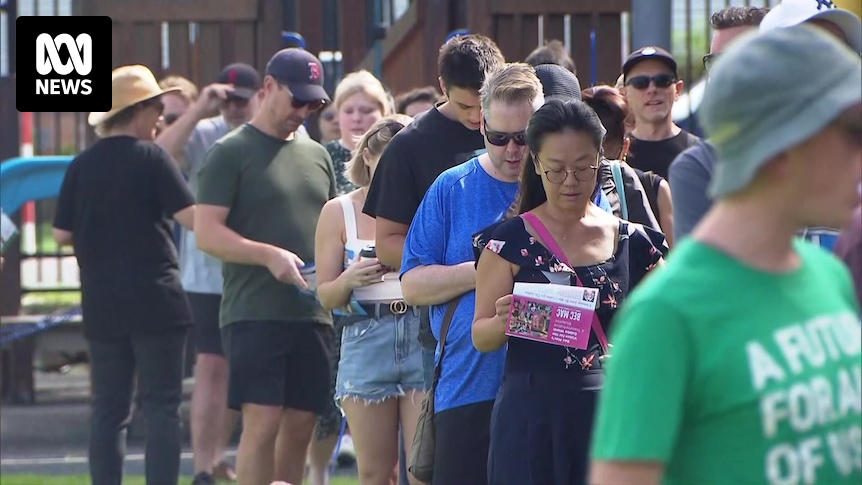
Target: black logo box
27	30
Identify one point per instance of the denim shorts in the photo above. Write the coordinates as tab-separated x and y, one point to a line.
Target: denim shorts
380	358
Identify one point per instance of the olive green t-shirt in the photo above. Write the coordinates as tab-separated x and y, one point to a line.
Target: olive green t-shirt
728	375
275	190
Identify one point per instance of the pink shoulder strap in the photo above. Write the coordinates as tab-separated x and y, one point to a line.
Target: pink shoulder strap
555	248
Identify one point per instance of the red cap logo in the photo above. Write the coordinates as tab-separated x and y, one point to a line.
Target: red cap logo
313	71
231	77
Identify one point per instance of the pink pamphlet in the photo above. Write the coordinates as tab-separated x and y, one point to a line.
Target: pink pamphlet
554	314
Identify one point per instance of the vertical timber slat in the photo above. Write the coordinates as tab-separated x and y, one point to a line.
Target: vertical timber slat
148	45
179	49
210	52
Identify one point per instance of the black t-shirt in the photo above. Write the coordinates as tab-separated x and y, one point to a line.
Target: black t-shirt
656	156
117	200
430	145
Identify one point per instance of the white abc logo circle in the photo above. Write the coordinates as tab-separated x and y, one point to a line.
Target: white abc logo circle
80	54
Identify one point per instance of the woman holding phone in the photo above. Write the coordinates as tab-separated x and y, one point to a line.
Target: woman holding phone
380	379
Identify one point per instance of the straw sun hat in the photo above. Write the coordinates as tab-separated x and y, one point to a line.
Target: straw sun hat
129	86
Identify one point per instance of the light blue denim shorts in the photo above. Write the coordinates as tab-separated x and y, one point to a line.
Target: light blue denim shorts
380	358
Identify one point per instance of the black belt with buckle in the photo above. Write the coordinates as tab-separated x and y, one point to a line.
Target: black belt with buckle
395	307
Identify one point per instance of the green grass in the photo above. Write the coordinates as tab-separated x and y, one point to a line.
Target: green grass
8	479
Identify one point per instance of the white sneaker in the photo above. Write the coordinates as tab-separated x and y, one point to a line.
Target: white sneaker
346	452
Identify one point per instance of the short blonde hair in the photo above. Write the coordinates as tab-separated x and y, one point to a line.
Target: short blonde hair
188	90
375	140
363	82
512	82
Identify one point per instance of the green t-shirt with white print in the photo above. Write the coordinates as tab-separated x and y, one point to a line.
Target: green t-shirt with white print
730	375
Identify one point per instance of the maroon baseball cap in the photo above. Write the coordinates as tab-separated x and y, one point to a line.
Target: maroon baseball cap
301	71
244	78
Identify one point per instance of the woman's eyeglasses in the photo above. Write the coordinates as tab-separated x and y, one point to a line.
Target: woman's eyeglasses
559	175
642	82
500	139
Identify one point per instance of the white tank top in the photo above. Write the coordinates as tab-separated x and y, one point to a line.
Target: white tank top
387	290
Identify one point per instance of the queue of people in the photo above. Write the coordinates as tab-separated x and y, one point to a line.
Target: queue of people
369	275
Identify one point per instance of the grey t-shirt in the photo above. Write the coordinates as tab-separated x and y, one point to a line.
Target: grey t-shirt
200	272
690	174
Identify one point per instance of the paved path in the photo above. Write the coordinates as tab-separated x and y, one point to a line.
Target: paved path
50	437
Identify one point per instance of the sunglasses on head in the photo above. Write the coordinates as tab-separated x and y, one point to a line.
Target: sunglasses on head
643	82
500	139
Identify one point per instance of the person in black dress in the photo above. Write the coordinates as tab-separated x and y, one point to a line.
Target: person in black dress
543	415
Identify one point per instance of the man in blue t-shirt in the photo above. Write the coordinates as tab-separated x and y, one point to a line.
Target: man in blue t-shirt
438	266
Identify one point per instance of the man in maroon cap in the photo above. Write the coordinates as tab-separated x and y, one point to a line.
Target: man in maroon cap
260	191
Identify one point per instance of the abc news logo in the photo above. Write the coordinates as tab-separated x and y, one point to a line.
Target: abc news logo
48	61
71	71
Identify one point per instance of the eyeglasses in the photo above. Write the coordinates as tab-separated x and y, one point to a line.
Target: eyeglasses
709	60
500	139
642	82
559	175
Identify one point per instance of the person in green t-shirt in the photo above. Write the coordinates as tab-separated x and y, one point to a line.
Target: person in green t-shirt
740	363
260	191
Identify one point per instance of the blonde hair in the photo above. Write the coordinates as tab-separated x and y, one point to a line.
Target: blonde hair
188	90
374	140
363	82
513	82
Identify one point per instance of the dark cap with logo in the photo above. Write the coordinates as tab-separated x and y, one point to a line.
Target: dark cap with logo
647	53
244	78
558	82
301	71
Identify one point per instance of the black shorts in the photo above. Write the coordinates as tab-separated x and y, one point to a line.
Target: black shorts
275	363
463	436
205	311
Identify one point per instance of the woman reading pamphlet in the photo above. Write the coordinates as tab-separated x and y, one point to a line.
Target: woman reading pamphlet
569	265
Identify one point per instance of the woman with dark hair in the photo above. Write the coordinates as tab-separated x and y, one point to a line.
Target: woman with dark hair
542	420
646	196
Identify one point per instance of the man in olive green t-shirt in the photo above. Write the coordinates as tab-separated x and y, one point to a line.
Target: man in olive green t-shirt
260	192
740	363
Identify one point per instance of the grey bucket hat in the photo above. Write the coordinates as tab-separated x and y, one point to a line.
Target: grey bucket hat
771	91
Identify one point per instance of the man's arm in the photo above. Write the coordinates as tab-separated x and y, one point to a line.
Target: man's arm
175	137
689	178
215	238
437	284
63	237
389	238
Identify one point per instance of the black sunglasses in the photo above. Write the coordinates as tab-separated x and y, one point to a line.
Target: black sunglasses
643	82
500	139
312	105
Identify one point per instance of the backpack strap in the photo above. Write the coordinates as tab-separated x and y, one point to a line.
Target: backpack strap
621	188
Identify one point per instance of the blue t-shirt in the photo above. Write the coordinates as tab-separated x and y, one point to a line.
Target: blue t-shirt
462	201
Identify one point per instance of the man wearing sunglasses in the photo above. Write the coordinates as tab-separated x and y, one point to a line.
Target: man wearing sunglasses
652	86
438	266
261	189
188	138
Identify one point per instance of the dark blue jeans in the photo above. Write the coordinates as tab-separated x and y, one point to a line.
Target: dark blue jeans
157	360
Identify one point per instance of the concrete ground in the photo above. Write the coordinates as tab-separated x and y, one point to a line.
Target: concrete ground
50	437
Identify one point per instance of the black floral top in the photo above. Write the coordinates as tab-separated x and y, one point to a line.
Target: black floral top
340	156
638	251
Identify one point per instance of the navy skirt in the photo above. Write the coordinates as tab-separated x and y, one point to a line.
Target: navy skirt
541	427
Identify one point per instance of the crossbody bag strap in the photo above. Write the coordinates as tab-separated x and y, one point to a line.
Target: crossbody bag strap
444	332
551	243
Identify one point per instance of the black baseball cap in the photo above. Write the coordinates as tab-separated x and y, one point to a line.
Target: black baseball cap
301	71
558	82
646	53
244	78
